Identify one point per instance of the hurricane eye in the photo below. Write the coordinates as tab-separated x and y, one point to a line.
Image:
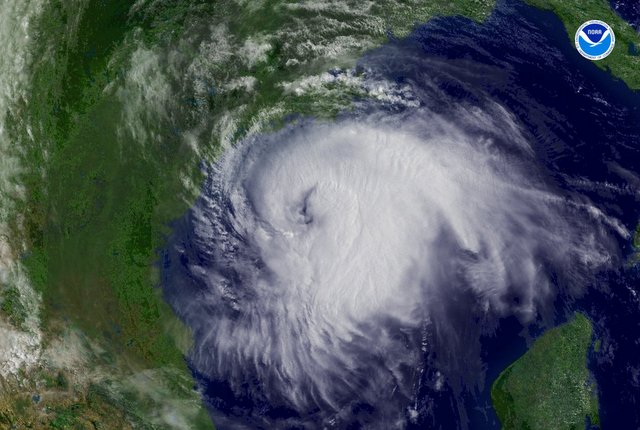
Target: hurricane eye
303	213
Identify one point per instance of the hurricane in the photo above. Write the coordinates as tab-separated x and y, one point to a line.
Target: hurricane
329	253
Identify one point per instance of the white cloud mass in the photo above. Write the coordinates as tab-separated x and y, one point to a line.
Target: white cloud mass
326	249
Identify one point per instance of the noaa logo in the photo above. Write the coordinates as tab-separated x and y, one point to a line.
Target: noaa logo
595	40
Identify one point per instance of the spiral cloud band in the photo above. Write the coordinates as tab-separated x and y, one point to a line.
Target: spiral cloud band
325	250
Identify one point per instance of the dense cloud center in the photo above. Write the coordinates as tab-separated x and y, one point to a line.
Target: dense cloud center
330	235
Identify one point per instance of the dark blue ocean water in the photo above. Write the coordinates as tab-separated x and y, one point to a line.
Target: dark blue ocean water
629	10
584	126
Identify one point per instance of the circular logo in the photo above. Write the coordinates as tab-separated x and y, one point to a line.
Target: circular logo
595	40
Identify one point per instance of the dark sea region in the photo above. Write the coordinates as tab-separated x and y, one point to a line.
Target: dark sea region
629	10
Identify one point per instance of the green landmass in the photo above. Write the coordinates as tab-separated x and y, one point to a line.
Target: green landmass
68	410
550	387
12	306
624	61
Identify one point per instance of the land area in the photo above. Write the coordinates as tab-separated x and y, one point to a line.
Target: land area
550	387
624	61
